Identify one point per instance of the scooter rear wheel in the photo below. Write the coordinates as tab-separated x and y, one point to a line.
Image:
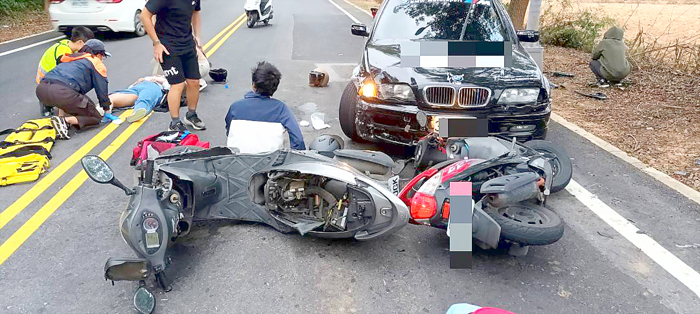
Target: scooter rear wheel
528	223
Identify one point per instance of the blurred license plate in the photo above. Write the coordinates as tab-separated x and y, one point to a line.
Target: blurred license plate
462	127
152	240
80	3
394	185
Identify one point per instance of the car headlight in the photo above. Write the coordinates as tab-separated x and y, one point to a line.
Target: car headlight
401	92
519	96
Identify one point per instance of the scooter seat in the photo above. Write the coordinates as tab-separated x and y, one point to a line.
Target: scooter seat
485	148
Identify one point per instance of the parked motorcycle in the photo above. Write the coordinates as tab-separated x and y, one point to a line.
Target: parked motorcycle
258	10
291	191
510	183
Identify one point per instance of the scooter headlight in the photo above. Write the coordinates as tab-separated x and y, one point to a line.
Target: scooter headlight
150	224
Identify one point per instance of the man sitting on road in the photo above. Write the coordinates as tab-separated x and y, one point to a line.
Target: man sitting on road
257	123
79	35
146	93
66	85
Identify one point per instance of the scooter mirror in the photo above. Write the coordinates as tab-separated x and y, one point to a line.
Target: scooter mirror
144	300
97	169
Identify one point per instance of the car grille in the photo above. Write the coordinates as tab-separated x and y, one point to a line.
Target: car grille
440	95
444	96
473	97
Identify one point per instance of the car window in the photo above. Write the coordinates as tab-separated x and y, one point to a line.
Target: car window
438	20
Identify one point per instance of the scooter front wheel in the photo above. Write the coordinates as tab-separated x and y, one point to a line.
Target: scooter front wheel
252	19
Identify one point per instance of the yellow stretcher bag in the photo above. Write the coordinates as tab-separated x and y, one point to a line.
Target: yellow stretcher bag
25	152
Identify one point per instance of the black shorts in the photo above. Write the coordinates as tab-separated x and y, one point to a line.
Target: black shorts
177	68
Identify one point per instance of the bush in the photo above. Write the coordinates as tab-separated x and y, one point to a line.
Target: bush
10	8
578	31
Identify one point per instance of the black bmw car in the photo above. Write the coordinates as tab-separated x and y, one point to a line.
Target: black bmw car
386	92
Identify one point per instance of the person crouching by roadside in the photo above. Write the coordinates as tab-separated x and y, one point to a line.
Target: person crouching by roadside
66	85
257	123
609	61
79	35
145	94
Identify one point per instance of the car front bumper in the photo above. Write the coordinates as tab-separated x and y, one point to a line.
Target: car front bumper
397	124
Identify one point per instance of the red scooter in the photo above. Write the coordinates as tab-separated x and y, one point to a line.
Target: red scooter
510	183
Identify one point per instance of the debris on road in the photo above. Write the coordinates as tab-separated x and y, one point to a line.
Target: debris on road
695	246
304	123
317	120
562	74
606	235
681	173
598	95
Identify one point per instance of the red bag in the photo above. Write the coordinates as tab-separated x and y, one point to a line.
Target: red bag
162	142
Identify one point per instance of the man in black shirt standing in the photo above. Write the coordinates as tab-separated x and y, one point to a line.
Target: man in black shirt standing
174	47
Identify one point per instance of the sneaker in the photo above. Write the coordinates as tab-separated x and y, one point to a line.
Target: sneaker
603	83
46	111
194	121
61	127
136	115
202	84
177	126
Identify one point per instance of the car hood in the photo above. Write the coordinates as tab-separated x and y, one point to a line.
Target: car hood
385	64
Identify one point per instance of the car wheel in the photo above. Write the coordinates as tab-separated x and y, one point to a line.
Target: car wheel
252	19
528	224
560	161
347	111
139	29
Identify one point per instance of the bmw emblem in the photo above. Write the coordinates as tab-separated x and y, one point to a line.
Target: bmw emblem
457	79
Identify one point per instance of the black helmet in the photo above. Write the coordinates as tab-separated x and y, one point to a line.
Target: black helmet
326	144
218	75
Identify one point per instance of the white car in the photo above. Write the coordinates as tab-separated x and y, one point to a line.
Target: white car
98	15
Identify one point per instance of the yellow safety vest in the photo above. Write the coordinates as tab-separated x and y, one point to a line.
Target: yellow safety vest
49	59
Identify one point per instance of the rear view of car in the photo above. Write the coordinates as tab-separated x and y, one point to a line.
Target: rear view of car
98	15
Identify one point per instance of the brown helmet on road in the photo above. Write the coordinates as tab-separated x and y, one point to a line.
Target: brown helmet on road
318	78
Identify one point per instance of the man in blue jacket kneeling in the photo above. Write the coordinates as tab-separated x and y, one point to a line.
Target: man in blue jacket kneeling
256	124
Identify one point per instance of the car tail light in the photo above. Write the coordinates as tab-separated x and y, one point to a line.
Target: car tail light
423	204
109	1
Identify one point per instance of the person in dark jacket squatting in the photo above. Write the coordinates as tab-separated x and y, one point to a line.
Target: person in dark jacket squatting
609	62
66	85
256	124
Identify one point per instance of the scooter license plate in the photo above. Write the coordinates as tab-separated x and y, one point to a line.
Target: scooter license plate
152	240
448	219
462	126
394	185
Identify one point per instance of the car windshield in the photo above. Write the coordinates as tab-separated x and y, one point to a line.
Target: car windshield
438	20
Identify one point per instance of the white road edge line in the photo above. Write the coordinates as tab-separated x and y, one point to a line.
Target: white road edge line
658	175
356	7
676	267
346	12
30	46
25	37
672	264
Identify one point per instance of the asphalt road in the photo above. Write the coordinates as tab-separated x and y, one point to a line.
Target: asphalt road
247	268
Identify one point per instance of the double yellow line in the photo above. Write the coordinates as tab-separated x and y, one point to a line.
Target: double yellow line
27	229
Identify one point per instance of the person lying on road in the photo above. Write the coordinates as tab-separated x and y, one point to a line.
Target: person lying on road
146	93
608	60
79	35
66	85
257	123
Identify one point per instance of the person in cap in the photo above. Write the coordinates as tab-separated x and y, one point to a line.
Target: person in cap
66	85
79	35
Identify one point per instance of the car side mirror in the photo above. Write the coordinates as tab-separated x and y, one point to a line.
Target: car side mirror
374	11
528	36
359	30
99	171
